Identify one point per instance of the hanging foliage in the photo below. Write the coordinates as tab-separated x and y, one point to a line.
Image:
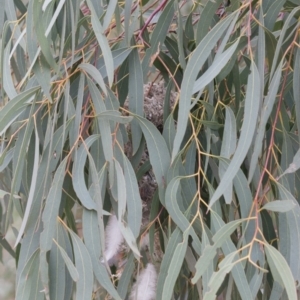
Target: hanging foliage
150	149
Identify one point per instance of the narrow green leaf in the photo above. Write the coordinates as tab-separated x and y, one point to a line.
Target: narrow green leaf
126	277
50	213
95	192
46	3
42	73
159	34
228	247
95	74
103	43
173	242
216	67
112	115
98	6
295	165
2	15
265	114
84	285
121	188
206	19
11	14
103	125
44	271
211	250
180	44
5	244
134	201
210	267
54	17
195	63
256	281
8	83
21	145
281	38
30	243
153	214
5	159
281	271
272	14
63	28
169	131
72	269
4	33
158	153
261	52
119	56
280	205
252	102
127	14
109	13
112	102
227	149
277	291
296	87
31	39
245	199
216	281
175	212
172	47
78	173
44	43
78	113
136	96
57	272
174	268
91	235
225	231
289	232
167	100
32	189
24	284
130	239
15	107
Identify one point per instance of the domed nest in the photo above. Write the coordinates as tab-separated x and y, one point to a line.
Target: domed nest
154	98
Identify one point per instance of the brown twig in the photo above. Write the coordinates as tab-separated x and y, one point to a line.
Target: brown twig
157	9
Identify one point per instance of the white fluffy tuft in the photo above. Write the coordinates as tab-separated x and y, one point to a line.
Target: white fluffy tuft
113	238
145	286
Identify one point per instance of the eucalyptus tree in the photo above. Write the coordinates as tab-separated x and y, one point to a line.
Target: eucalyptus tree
151	148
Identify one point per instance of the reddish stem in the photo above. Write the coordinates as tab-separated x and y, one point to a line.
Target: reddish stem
157	9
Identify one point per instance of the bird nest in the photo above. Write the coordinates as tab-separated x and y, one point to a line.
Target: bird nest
154	100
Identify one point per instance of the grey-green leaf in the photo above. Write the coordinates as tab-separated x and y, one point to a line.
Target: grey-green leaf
50	213
15	107
252	102
103	43
281	271
158	152
174	268
280	205
195	63
84	285
78	173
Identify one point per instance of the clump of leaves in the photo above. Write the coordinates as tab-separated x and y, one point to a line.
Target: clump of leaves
223	157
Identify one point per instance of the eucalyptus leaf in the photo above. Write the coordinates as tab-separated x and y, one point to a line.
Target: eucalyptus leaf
281	271
196	61
205	188
85	269
280	205
247	131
